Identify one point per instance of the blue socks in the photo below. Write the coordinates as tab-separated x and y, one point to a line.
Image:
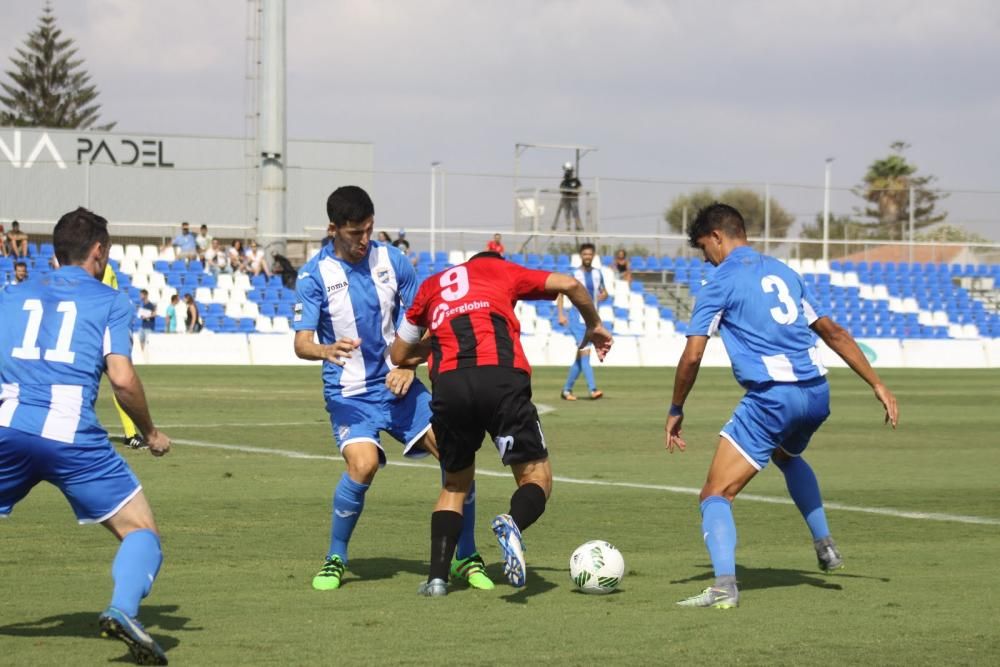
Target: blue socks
348	501
134	569
574	373
804	490
588	371
467	538
719	529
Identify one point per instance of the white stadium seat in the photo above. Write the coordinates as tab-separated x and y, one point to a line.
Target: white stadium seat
117	252
157	280
133	252
168	254
264	325
144	266
808	266
234	310
150	252
203	295
251	309
224	281
241	281
127	266
220	295
280	324
822	266
795	265
140	281
456	257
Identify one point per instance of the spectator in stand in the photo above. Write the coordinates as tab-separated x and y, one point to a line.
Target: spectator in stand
216	259
237	259
282	267
383	237
4	249
17	240
404	246
192	318
623	266
256	260
496	246
172	314
184	243
203	241
20	272
147	317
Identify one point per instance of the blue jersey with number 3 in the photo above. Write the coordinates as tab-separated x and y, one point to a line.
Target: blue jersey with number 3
55	332
763	311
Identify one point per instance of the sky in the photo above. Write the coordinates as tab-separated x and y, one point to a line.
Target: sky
684	91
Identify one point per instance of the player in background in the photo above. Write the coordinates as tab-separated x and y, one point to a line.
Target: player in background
59	333
133	440
482	384
593	280
351	296
769	322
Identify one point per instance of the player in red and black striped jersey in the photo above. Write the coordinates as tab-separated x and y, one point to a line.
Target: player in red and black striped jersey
482	384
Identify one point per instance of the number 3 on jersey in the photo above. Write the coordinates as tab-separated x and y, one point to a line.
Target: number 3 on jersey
787	312
29	346
454	283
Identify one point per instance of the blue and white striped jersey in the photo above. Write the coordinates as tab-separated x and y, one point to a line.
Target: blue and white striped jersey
55	332
366	300
763	311
593	280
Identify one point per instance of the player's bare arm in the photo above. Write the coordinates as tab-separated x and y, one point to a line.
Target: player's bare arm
841	342
578	296
131	397
684	379
560	311
307	348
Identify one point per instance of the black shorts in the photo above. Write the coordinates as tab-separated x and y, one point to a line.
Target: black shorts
469	402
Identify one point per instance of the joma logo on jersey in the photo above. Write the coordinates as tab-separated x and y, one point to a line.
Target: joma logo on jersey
382	275
336	287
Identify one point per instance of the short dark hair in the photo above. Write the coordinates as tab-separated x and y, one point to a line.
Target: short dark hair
717	216
144	291
349	203
76	233
587	246
18	264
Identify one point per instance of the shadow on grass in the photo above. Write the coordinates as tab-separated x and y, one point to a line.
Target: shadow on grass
374	569
84	624
756	578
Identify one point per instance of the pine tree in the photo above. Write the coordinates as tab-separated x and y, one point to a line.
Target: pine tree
48	86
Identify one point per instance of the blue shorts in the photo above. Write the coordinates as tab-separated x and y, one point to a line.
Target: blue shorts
95	480
782	415
360	418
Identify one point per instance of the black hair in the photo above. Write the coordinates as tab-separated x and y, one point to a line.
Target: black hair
24	264
486	253
349	203
76	233
587	246
722	217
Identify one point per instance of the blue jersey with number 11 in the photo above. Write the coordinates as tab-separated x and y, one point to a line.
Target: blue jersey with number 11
55	332
763	311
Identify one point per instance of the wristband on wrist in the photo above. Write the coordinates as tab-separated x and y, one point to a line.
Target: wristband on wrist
676	410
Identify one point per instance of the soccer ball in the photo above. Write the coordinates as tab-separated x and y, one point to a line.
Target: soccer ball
596	567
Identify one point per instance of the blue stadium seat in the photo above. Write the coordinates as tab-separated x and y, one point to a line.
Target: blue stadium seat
424	257
517	258
46	250
178	265
259	281
196	265
230	325
247	325
638	263
161	266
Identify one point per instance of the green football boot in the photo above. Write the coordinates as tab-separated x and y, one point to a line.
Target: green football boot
328	578
473	570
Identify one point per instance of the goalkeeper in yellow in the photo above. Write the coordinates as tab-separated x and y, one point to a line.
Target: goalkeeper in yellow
133	439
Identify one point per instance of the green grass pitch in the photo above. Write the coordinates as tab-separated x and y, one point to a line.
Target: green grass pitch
244	531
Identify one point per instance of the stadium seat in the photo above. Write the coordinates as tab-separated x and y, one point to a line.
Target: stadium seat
150	252
263	325
280	325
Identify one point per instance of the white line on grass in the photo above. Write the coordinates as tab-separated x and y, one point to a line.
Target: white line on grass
687	490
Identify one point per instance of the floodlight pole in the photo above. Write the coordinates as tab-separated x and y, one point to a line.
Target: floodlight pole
271	128
826	210
434	166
